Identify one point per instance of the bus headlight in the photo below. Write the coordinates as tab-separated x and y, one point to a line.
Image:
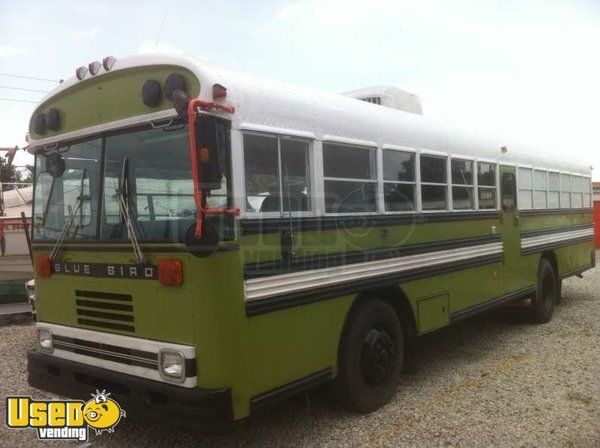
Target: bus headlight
171	365
44	340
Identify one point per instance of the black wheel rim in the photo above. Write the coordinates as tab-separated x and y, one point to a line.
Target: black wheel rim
548	293
378	356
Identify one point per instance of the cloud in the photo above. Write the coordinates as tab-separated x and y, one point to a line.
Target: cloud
92	32
8	51
153	47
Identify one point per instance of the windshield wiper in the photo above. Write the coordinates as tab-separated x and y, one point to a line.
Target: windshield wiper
123	195
67	226
47	207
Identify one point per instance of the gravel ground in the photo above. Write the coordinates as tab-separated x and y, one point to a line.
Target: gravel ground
494	380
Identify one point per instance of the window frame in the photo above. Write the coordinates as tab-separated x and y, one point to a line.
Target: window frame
574	192
515	196
376	180
495	187
446	157
589	192
520	186
310	174
414	183
536	189
472	186
565	191
549	189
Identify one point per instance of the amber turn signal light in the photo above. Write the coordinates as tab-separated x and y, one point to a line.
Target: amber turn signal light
43	267
170	272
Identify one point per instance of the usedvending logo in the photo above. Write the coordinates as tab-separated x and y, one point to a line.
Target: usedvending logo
64	419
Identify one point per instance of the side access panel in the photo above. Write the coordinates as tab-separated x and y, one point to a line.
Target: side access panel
433	313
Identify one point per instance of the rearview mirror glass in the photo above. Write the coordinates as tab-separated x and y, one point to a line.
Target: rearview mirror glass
209	164
55	165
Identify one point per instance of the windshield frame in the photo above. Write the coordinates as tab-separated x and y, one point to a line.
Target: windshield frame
99	214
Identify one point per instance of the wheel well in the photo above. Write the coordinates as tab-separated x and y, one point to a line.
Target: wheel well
396	297
551	257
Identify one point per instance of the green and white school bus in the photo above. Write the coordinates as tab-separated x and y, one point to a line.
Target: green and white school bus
208	242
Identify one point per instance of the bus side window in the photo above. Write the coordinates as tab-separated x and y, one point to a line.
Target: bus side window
509	193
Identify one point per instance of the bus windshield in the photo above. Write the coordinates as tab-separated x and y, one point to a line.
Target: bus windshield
159	193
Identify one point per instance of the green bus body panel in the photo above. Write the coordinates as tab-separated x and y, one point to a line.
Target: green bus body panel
206	311
110	97
293	343
253	355
538	222
433	313
466	288
155	315
266	247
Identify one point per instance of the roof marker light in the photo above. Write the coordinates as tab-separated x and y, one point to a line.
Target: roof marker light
151	93
94	67
39	123
53	119
81	72
108	62
174	82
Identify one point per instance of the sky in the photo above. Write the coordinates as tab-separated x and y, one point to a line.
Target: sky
525	69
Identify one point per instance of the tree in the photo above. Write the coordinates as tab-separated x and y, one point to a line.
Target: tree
26	175
7	174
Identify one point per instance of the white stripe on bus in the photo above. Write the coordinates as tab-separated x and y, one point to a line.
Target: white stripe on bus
541	240
297	281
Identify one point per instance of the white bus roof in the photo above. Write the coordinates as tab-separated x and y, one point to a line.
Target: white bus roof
264	104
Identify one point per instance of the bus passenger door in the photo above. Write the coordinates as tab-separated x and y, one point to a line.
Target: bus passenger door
510	229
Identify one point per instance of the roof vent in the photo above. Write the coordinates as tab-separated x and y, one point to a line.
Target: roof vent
388	96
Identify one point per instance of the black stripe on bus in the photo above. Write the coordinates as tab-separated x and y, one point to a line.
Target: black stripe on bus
103	295
303	297
103	315
106	356
311	262
104	305
120	355
551	230
316	223
109	325
554	211
556	245
107	347
287	390
98	246
471	311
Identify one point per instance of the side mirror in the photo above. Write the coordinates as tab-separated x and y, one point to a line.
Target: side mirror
209	165
55	165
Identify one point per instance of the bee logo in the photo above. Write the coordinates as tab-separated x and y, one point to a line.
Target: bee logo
102	413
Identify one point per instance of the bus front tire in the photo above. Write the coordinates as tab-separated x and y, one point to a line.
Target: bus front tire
546	295
371	356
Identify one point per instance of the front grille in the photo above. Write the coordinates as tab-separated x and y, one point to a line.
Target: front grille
105	310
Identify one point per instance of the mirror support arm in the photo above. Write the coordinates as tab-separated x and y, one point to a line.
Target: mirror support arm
193	106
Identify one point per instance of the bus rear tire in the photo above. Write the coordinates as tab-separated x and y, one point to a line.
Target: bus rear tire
371	356
544	302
